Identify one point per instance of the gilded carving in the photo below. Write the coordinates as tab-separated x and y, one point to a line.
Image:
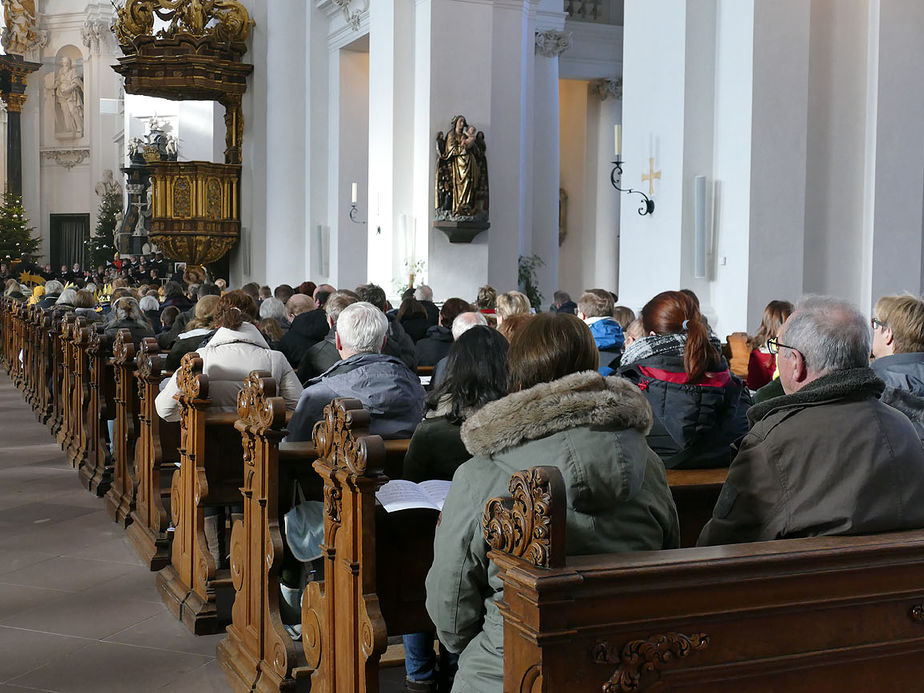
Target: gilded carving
213	198
215	22
461	174
182	197
639	657
522	525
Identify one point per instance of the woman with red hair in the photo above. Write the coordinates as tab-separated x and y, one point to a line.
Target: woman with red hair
699	406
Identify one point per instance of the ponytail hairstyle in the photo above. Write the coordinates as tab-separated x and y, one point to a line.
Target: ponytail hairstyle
674	312
234	309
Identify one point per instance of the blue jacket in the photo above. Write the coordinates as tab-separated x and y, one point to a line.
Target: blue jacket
610	341
384	384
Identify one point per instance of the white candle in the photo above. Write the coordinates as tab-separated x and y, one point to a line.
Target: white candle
618	136
354	191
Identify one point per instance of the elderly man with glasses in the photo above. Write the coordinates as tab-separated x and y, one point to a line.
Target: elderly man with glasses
828	457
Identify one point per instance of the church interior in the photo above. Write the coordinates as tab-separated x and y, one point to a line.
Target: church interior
447	157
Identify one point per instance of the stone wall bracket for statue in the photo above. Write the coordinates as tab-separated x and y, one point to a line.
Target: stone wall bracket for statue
461	190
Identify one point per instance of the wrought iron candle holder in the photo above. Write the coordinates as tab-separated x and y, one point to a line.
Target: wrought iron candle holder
647	206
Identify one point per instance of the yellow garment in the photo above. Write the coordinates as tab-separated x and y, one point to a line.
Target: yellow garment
37	293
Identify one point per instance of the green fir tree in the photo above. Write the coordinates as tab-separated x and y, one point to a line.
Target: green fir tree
101	248
16	237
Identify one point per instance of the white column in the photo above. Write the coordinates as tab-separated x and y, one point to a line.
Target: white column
286	227
391	113
895	151
543	156
485	75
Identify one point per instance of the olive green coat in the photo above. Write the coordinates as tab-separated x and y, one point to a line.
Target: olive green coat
593	429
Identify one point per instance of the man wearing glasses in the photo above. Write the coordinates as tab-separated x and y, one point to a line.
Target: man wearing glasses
828	457
898	345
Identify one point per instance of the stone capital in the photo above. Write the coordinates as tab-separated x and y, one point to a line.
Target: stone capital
605	88
552	43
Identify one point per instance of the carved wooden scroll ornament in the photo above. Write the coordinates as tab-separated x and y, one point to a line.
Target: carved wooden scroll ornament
530	525
639	657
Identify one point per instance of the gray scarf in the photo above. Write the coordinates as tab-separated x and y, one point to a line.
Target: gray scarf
654	345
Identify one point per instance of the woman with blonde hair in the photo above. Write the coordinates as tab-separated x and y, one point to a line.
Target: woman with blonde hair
512	303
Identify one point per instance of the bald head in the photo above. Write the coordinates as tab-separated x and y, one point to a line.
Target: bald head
298	304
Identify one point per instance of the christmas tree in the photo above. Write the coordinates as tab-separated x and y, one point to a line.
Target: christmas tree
101	248
15	236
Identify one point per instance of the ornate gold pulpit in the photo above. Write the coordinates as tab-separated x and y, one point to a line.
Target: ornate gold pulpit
197	55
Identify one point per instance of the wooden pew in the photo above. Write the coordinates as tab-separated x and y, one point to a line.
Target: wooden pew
97	473
120	498
211	472
695	493
45	402
56	422
66	364
820	614
156	453
257	653
374	562
76	448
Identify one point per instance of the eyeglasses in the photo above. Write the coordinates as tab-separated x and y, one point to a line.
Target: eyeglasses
876	322
774	346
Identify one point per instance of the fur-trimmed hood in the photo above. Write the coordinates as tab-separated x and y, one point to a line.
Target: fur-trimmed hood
579	399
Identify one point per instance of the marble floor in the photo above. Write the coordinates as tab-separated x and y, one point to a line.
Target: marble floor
78	611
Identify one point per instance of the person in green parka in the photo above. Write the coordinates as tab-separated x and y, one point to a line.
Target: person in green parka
559	412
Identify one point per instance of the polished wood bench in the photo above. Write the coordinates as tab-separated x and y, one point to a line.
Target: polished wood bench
197	591
155	460
96	473
695	493
258	654
120	498
819	614
374	562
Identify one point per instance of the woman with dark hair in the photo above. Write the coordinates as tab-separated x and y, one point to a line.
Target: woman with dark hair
476	373
699	406
559	412
761	363
436	344
413	318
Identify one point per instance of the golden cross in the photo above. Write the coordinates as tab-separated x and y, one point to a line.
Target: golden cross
651	176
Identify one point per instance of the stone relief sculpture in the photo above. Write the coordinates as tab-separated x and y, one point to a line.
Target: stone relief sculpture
461	173
108	185
69	98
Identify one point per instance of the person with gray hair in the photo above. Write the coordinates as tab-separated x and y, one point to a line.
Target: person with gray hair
461	324
424	294
827	457
324	354
384	384
53	289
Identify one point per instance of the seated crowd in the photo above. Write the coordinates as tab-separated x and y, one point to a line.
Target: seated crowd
816	438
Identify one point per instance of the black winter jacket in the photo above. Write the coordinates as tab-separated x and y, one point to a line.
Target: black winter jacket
435	346
694	425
